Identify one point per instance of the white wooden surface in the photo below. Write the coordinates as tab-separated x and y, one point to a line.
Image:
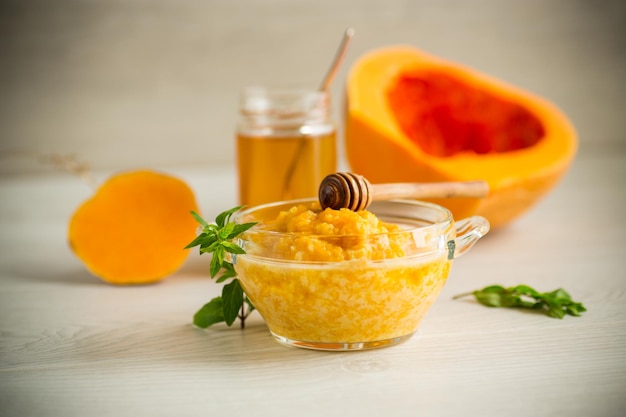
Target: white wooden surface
71	345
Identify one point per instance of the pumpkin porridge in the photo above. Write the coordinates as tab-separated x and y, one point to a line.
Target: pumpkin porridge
338	276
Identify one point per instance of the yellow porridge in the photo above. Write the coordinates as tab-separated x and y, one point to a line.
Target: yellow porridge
339	277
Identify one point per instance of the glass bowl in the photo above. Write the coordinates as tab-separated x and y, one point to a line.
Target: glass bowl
355	291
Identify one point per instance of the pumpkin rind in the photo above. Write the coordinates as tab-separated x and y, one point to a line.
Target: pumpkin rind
378	148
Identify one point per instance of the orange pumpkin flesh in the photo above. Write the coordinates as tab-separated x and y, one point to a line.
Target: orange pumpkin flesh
134	228
412	117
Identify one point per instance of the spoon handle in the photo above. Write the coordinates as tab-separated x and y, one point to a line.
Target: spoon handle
339	55
389	191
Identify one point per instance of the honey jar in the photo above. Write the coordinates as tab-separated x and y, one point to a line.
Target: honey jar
286	143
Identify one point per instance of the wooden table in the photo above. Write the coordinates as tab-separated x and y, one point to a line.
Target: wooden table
74	346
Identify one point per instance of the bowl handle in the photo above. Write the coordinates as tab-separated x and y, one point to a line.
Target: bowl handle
468	231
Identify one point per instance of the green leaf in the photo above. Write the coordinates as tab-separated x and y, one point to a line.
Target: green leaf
216	261
493	288
226	230
525	290
232	297
555	304
489	299
495	299
216	238
224	217
556	312
574	309
560	294
233	248
210	246
199	219
211	313
197	241
239	229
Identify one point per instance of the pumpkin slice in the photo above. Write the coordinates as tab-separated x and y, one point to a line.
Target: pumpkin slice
134	228
412	117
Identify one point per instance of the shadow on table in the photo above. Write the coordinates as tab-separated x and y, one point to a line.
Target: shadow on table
39	275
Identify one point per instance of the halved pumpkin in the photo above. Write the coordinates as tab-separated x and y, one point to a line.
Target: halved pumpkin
412	117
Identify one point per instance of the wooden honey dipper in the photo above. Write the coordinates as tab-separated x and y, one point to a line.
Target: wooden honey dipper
354	192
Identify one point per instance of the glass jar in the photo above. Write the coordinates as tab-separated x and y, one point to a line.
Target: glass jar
286	144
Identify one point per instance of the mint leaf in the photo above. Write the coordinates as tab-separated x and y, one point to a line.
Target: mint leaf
495	299
199	219
233	248
555	311
556	304
197	241
525	290
209	314
493	289
232	296
239	229
216	261
217	239
224	217
225	231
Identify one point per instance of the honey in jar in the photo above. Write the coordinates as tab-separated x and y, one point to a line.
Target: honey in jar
286	144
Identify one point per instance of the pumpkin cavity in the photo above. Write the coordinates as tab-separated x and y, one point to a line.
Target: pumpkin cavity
445	116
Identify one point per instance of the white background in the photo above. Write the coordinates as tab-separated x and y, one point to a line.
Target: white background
133	83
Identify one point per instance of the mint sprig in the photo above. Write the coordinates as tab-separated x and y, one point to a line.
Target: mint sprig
555	304
216	238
